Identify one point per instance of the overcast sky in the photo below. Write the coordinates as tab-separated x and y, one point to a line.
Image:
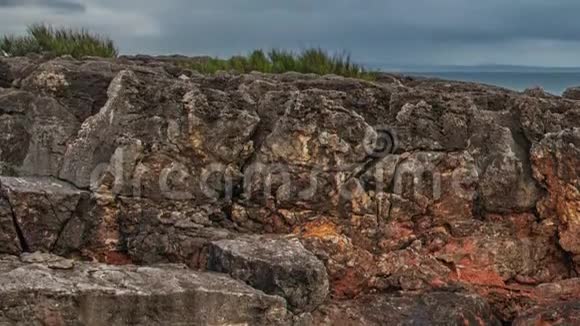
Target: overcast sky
391	32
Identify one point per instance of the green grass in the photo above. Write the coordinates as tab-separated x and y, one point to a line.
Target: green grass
42	38
315	61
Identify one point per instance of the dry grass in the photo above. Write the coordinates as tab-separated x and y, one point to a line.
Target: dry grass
42	38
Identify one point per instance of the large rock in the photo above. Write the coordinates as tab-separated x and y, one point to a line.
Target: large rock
557	166
152	233
53	292
162	157
176	139
80	86
276	266
40	212
402	184
36	130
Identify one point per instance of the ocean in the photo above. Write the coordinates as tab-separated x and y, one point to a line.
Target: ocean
554	82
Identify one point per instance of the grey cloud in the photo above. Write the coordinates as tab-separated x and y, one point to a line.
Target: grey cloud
63	5
420	20
425	31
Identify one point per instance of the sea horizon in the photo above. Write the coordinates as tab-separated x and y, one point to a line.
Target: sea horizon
554	80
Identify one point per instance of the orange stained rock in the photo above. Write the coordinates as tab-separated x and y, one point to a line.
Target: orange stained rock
321	229
348	285
117	258
108	229
470	266
477	276
563	199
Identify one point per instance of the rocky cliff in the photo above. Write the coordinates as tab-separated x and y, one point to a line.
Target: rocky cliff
133	191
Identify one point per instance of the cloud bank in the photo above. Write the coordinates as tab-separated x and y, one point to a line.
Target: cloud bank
386	32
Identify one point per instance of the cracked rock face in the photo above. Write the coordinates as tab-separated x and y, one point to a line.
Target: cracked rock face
557	166
42	211
335	196
37	131
41	292
10	242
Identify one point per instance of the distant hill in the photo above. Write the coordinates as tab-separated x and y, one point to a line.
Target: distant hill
475	68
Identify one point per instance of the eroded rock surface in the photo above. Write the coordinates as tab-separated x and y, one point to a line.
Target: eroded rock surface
433	308
557	166
43	293
402	185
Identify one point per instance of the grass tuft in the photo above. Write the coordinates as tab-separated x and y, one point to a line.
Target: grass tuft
42	38
314	60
